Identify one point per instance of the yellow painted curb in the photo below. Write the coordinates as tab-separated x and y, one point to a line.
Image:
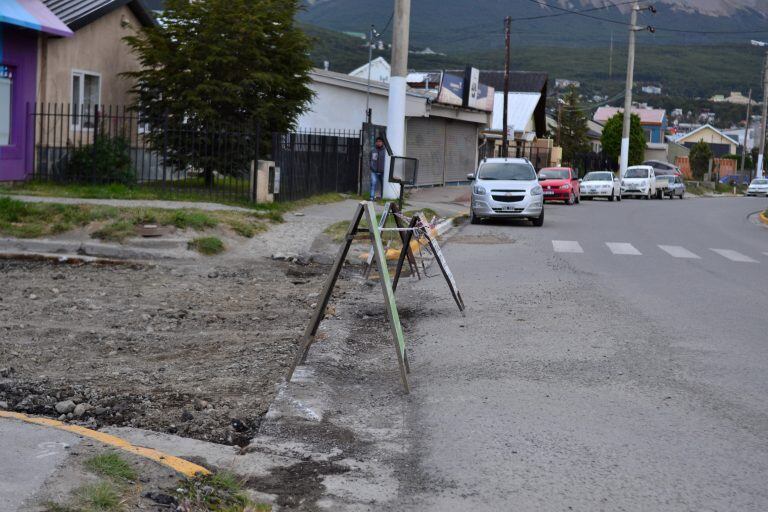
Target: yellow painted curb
763	218
179	465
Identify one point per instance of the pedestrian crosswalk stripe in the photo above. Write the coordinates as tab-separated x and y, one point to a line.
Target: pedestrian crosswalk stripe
623	249
678	252
734	256
567	246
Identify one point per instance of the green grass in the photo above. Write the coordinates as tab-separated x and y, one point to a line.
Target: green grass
111	465
207	245
219	492
33	220
100	497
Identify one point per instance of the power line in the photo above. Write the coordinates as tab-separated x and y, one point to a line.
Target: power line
529	18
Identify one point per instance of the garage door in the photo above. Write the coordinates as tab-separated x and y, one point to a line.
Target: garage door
425	140
460	151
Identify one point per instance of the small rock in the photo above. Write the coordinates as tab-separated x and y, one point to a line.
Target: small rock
200	405
55	290
57	277
271	318
146	316
279	256
63	417
186	416
213	274
80	410
298	214
322	259
4	405
65	407
304	258
33	297
98	411
161	498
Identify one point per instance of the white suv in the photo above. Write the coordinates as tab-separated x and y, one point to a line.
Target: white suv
506	188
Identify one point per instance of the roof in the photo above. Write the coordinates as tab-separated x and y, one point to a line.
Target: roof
521	108
700	128
378	61
353	82
79	13
646	115
34	15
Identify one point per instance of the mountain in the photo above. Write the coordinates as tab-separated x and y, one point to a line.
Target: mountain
465	25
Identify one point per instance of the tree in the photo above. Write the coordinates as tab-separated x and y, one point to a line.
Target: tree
573	127
611	138
213	65
699	157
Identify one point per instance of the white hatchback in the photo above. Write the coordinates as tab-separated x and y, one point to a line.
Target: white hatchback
601	184
640	181
758	187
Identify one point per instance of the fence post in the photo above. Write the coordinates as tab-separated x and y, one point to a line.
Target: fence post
93	142
165	145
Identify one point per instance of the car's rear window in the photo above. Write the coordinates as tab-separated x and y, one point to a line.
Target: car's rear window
507	171
554	174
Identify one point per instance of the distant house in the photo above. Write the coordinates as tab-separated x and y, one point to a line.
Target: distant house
564	83
720	143
735	98
595	134
651	89
653	121
380	70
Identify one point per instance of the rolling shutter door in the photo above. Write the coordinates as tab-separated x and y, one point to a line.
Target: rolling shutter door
425	140
461	151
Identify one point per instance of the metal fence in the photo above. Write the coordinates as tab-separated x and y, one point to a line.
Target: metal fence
316	162
108	144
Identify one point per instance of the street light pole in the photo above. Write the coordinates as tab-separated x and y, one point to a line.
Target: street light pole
746	134
368	115
761	154
505	135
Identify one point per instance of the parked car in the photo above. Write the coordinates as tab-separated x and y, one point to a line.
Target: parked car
758	187
735	179
601	184
639	181
506	188
663	168
666	185
675	186
560	184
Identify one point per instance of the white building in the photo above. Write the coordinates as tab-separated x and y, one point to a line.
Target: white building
443	137
380	70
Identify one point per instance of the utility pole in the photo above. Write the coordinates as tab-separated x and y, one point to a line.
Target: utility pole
746	135
368	115
761	154
505	137
633	28
397	88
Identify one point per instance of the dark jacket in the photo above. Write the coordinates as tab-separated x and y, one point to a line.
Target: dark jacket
378	160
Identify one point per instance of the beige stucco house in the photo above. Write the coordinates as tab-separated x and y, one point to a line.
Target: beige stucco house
720	143
85	69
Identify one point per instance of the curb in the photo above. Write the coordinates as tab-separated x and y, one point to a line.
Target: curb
763	218
70	259
175	463
94	249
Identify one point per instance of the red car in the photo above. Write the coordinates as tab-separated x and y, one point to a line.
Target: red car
560	184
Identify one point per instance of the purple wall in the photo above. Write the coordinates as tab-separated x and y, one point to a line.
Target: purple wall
18	50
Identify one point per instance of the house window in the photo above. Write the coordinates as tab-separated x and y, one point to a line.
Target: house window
648	135
6	86
86	95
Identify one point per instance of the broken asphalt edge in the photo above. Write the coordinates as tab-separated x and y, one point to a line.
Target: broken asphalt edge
175	463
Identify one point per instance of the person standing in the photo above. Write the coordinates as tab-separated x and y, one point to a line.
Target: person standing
378	160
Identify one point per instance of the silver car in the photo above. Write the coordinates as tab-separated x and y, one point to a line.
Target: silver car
506	188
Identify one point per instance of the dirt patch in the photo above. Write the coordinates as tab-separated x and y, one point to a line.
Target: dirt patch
186	350
298	486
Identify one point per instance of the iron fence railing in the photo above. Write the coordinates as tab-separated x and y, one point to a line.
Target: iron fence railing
317	161
110	144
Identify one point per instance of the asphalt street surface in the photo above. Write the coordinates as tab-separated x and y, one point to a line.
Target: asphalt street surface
615	359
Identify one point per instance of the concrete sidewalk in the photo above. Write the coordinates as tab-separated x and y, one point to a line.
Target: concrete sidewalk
447	201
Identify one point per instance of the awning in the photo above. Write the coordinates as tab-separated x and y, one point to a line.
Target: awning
34	15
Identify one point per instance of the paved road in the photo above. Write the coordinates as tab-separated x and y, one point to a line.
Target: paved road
615	359
29	454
